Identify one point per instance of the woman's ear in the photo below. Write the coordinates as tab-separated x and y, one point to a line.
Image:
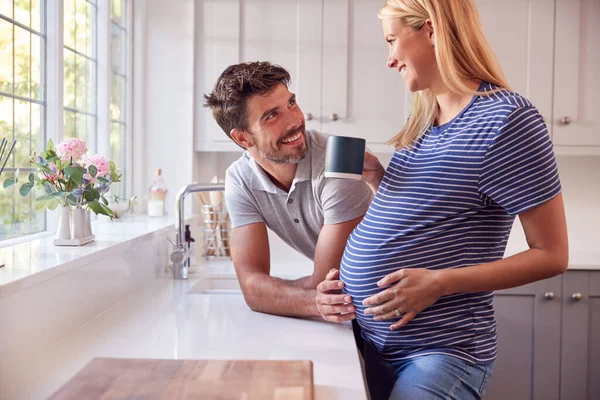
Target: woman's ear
242	138
430	32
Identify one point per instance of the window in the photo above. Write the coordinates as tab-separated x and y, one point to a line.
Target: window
80	65
119	84
22	106
94	96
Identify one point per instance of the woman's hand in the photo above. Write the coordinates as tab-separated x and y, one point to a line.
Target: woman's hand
410	291
332	304
372	171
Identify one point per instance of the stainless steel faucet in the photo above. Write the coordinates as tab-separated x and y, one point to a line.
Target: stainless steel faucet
180	254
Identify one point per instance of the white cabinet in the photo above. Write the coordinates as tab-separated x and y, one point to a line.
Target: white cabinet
333	49
547	52
336	55
576	122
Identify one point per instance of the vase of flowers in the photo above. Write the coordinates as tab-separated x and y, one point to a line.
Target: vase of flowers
65	176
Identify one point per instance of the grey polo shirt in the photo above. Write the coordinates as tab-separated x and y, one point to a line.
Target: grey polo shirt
298	216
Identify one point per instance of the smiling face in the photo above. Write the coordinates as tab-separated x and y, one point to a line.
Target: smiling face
276	129
411	52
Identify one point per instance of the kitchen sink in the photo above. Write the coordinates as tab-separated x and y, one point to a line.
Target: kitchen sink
216	285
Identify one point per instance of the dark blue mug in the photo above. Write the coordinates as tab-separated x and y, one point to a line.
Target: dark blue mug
344	157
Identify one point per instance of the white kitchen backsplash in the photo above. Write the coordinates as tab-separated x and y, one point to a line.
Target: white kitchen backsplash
580	178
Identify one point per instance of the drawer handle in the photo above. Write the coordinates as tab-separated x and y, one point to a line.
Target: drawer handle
334	117
577	296
565	120
309	117
549	295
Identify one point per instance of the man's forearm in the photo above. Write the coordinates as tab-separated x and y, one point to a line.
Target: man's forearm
271	295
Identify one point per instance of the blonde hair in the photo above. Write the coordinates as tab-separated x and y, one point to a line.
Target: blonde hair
461	51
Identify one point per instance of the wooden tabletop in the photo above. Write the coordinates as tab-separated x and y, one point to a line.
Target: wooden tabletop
119	378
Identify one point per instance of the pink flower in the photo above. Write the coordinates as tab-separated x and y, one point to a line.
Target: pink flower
71	148
101	165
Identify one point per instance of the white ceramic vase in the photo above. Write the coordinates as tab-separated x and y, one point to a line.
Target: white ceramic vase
64	223
79	225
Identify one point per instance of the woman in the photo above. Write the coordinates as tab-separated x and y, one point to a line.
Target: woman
421	268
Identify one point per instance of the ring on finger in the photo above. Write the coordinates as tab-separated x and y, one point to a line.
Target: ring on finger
397	312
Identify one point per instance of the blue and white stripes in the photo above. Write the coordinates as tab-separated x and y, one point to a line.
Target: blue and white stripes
449	202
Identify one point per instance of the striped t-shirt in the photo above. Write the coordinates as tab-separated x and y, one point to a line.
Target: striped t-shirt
449	202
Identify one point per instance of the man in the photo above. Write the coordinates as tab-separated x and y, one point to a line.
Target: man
278	183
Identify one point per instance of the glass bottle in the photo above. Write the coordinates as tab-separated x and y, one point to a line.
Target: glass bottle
157	196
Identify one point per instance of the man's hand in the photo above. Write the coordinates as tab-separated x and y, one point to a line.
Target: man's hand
332	304
372	171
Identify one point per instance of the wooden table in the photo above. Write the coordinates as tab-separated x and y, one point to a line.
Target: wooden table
119	378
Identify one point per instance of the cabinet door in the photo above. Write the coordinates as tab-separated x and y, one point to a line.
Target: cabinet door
288	33
528	319
284	32
376	97
577	62
594	338
520	32
580	336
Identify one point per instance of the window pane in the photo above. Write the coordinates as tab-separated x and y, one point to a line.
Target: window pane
23	12
117	47
37	144
85	30
69	73
69	23
116	11
6	118
36	15
85	75
6	7
117	98
22	62
118	155
17	214
69	124
6	57
37	57
22	151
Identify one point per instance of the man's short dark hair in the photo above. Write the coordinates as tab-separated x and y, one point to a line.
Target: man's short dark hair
236	84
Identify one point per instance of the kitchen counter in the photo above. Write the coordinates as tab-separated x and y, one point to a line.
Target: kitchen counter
162	320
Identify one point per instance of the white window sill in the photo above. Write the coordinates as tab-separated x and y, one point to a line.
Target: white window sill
29	263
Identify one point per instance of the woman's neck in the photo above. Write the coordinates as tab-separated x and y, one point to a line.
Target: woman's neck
451	103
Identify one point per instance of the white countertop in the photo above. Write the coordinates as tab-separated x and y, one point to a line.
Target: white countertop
32	262
163	321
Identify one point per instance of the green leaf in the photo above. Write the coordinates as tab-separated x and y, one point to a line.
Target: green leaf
104	200
53	204
75	174
40	205
50	145
91	195
102	180
8	182
31	179
93	171
49	188
25	189
111	166
114	176
100	208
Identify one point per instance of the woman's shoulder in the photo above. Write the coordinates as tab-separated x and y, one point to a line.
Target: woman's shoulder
502	101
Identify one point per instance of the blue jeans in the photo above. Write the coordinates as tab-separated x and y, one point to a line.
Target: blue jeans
424	377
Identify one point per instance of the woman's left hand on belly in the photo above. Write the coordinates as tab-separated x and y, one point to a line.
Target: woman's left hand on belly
409	292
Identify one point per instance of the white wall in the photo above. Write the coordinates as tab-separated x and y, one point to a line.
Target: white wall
164	94
580	179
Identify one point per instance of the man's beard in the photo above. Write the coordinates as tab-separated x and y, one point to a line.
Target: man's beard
277	158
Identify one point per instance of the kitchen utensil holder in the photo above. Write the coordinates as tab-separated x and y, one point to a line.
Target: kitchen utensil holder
217	232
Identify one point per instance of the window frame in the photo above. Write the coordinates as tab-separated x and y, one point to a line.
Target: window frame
52	72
